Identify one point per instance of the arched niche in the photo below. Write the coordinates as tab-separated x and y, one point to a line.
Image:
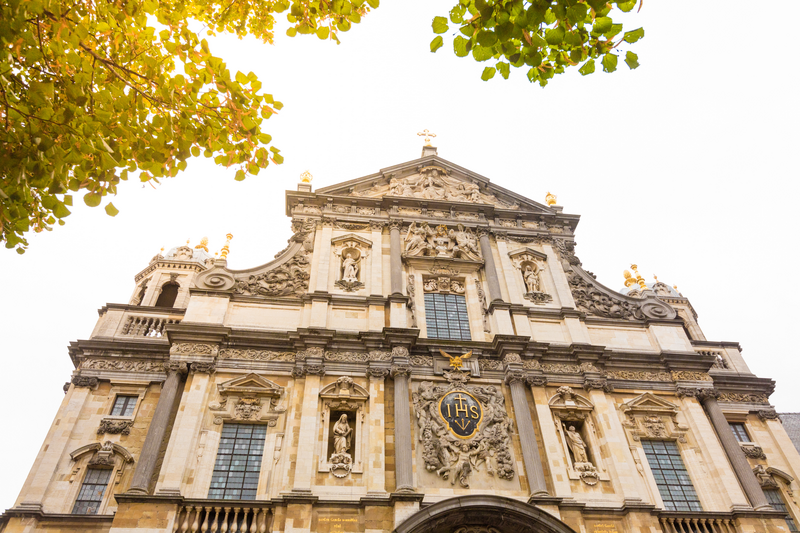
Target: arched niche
343	397
483	513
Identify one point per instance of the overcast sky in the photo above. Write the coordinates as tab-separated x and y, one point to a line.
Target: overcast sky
686	166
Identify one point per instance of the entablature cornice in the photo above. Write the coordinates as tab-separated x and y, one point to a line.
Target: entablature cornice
144	348
146	310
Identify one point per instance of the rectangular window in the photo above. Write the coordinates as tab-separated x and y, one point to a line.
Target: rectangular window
123	405
739	431
238	463
674	483
446	316
91	494
776	501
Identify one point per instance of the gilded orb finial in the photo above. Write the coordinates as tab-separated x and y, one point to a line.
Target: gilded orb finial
629	279
227	248
550	198
203	244
188	241
427	134
639	278
306	177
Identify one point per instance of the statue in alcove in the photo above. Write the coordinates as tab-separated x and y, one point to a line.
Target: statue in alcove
531	279
341	461
349	268
576	445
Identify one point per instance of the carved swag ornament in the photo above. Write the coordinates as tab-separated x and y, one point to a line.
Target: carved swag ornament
454	451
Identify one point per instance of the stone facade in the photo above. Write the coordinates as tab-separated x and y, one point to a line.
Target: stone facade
538	415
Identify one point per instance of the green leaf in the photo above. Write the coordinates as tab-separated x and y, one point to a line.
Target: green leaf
111	210
627	5
91	199
291	32
555	36
587	68
633	35
486	38
602	24
488	73
609	62
374	3
436	43
504	69
632	60
323	32
61	211
460	46
240	175
479	53
577	13
439	25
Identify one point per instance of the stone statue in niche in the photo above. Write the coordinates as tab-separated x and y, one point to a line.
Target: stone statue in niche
341	461
350	266
417	239
576	445
532	278
580	459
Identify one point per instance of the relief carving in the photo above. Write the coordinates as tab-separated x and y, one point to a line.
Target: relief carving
650	416
192	348
461	243
433	183
443	284
421	360
447	453
490	364
765	479
685	375
247	408
743	398
256	355
768	414
129	366
115	427
347	357
639	376
753	452
380	355
484	306
203	368
84	381
412	306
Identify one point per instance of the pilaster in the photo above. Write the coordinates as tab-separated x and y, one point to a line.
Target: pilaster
376	470
324	251
401	371
305	464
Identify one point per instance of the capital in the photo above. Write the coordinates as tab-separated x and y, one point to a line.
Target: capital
599	384
401	370
377	225
176	366
399	351
378	373
515	376
317	370
512	358
396	225
686	392
85	381
768	414
482	231
203	368
536	381
707	394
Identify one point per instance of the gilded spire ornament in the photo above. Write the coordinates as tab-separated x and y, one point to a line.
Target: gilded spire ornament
226	249
427	134
550	198
629	279
306	177
639	278
203	244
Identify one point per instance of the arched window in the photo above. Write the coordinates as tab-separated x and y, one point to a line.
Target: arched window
169	291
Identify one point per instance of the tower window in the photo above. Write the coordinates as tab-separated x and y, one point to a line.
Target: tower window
776	501
169	292
674	483
739	431
446	316
124	405
91	494
238	462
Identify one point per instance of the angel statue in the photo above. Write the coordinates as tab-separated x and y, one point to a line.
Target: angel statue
417	239
532	282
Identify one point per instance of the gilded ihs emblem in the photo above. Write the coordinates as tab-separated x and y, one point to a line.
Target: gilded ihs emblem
464	429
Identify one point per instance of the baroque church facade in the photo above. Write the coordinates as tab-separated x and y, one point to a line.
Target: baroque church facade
427	354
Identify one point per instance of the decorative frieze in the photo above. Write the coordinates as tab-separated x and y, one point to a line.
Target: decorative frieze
127	366
380	355
203	368
490	364
639	375
743	398
347	357
115	427
193	348
256	355
685	375
421	360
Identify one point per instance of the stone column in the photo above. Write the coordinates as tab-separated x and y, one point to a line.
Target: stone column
402	425
185	430
395	261
751	486
376	470
307	435
489	266
515	378
170	394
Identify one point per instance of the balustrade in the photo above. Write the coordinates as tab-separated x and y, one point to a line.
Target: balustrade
147	326
697	525
221	519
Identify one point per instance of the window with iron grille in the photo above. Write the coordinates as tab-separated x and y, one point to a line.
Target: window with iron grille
238	462
674	483
92	490
446	316
124	405
776	501
739	431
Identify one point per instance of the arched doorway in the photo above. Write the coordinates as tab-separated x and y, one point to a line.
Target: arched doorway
482	514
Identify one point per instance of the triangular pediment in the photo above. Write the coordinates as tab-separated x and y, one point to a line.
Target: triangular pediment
433	179
649	402
249	385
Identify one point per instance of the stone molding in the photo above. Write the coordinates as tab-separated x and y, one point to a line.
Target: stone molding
115	427
85	381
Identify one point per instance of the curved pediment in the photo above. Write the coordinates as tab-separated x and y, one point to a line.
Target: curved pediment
346	389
